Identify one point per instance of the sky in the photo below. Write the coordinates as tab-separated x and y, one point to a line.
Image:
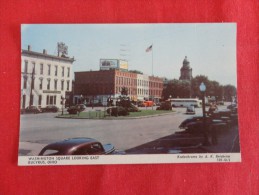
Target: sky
210	47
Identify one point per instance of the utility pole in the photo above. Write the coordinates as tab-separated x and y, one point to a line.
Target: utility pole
32	84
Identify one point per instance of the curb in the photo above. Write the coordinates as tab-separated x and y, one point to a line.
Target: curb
118	118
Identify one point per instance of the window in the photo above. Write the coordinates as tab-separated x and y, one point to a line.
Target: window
67	85
63	71
31	99
55	84
41	83
51	100
55	99
32	83
48	85
25	82
47	100
39	100
62	85
68	72
41	68
23	101
49	69
25	66
56	70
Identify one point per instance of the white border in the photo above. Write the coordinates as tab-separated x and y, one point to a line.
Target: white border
129	159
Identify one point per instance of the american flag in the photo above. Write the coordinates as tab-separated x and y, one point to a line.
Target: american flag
149	48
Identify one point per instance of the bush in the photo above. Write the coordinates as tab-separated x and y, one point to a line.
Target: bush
117	111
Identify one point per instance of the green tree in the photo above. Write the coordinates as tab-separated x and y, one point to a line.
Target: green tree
195	85
229	92
177	88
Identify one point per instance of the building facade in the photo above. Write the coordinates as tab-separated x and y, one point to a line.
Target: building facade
142	87
156	86
45	78
99	86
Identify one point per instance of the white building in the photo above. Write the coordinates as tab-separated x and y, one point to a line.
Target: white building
142	87
51	76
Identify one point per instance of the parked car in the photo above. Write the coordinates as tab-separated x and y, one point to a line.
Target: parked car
50	109
81	107
190	110
31	109
164	106
76	109
226	115
189	120
77	146
196	125
232	106
117	111
146	104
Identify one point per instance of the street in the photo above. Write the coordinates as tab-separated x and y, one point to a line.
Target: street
37	130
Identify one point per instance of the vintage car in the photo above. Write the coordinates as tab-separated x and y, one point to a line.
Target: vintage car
77	146
196	124
50	108
190	110
76	109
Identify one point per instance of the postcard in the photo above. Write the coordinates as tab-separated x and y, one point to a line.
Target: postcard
128	94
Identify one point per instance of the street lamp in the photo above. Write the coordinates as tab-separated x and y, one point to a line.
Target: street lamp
62	103
203	89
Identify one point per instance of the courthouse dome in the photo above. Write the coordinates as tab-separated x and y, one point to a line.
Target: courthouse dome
186	62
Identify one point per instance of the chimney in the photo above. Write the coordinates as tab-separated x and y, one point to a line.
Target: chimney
29	48
44	51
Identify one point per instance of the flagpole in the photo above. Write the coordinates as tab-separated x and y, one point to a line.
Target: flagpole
152	59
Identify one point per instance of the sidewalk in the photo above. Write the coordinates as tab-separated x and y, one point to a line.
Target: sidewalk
228	141
181	142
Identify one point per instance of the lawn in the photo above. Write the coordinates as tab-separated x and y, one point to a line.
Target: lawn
102	114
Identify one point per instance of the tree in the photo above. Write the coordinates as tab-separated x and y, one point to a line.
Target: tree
124	91
195	85
229	92
177	88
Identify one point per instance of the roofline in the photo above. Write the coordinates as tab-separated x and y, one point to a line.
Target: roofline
47	56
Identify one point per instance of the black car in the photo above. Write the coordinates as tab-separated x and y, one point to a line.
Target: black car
190	110
31	109
196	124
228	116
76	109
78	146
50	109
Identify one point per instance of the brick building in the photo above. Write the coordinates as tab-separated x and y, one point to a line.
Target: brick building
98	86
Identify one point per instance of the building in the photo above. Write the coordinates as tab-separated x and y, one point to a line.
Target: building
99	86
186	70
45	78
142	87
156	86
